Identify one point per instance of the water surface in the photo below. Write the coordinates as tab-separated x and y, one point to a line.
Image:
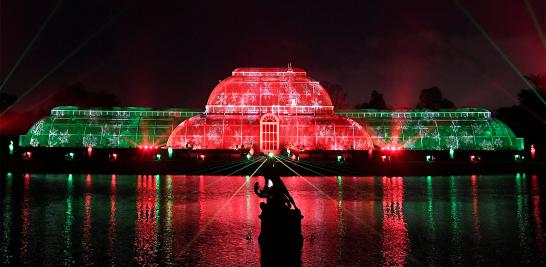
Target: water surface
213	220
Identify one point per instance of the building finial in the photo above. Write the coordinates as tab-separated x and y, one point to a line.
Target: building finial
290	67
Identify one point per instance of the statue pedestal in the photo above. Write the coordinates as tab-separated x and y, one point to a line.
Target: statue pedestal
281	229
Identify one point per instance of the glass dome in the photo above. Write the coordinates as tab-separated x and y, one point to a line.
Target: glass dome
269	90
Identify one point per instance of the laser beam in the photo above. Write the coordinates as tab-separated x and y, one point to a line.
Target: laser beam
30	44
204	228
535	22
60	63
498	49
372	229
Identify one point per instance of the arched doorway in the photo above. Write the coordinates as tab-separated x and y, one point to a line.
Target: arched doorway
269	133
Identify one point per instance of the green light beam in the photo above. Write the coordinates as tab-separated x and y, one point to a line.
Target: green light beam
535	22
215	166
223	177
60	64
300	165
190	243
222	165
23	55
265	160
228	167
498	49
318	164
321	174
278	159
212	167
328	197
371	228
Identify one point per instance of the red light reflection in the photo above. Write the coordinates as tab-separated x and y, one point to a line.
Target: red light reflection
395	233
25	218
112	228
535	188
86	239
475	216
146	224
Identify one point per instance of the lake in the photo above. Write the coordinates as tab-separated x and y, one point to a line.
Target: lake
84	219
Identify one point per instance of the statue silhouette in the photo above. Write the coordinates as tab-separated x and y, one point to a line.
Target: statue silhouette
276	193
280	237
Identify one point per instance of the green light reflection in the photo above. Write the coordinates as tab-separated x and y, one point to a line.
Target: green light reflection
430	208
522	213
341	222
431	225
6	225
168	225
67	232
456	223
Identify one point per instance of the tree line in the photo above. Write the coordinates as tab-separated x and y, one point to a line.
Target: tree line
527	118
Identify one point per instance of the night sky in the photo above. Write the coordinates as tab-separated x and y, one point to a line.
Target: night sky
172	54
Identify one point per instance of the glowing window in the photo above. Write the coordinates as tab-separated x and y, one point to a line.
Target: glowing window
269	133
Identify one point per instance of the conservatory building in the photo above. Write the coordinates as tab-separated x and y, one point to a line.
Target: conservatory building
270	109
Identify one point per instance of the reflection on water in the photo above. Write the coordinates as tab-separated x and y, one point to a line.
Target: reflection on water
6	218
430	224
67	233
536	214
147	204
86	238
475	219
112	221
456	256
395	233
77	219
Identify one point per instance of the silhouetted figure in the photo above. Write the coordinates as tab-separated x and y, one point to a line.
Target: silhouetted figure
280	237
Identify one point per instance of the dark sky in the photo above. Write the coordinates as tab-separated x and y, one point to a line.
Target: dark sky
172	54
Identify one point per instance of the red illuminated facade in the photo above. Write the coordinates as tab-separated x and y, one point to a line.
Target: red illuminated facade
270	109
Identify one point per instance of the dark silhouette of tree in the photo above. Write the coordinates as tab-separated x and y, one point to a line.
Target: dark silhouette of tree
337	94
77	95
13	122
376	102
528	98
528	118
431	98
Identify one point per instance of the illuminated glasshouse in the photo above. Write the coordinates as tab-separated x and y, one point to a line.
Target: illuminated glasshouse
270	109
70	126
462	129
